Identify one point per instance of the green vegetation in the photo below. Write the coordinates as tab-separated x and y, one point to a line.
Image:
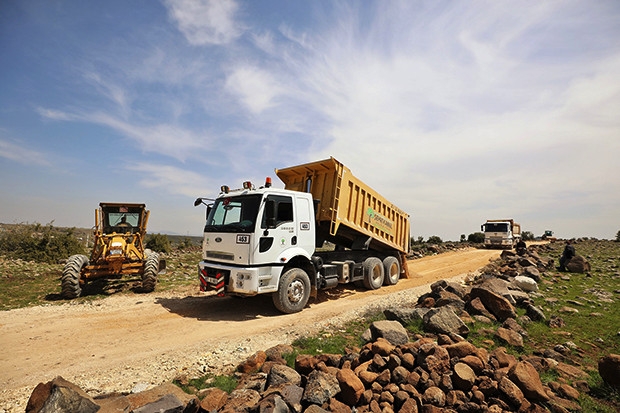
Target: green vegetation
32	259
434	239
226	383
528	236
40	243
158	243
476	238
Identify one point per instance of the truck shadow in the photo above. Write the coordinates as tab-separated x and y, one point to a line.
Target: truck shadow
214	308
105	288
232	308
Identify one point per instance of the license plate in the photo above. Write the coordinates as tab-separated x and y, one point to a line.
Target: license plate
212	280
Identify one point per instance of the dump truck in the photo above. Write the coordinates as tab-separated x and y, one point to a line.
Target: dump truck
548	236
325	228
501	233
118	250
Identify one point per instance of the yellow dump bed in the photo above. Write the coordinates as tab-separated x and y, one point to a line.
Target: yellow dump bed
348	209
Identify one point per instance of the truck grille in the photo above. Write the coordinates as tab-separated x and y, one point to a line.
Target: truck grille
220	255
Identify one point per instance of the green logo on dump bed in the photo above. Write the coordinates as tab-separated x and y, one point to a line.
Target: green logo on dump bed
379	221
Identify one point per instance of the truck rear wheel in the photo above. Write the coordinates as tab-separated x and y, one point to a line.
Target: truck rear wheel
293	292
149	277
392	270
373	273
70	281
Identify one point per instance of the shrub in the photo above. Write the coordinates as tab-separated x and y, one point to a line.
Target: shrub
185	243
158	243
434	239
527	236
618	236
476	238
39	243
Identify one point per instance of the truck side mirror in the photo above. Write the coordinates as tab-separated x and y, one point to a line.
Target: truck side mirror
197	202
270	213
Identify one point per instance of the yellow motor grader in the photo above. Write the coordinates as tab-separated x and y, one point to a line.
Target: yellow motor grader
119	236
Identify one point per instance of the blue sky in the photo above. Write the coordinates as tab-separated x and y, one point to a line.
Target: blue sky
457	111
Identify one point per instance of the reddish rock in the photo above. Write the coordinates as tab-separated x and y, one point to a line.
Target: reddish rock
435	396
351	387
524	375
503	359
253	363
510	337
513	393
156	393
463	377
461	349
495	303
336	406
410	406
382	347
474	362
305	364
214	399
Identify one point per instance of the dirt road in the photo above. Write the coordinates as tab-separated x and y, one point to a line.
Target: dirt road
113	343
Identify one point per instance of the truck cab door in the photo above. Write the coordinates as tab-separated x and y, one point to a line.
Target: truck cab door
278	227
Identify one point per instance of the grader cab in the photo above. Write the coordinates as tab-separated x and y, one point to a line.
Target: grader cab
118	250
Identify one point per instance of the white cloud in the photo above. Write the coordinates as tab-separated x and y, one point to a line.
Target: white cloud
255	88
21	154
165	139
206	22
172	180
56	114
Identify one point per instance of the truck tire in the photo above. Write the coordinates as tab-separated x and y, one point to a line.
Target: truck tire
373	273
149	277
391	266
293	292
70	280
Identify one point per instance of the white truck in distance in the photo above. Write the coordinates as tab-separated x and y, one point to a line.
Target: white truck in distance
501	233
271	241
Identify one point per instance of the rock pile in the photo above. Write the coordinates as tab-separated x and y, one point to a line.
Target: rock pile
439	371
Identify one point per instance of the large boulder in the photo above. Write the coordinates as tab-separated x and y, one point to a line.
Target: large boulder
499	306
444	320
609	369
59	395
392	331
578	264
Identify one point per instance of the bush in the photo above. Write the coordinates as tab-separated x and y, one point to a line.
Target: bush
618	236
35	242
185	243
158	243
476	238
434	239
527	236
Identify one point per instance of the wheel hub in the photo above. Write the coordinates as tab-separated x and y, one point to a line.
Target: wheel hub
295	291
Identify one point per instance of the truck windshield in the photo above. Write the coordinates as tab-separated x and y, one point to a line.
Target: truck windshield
499	227
234	214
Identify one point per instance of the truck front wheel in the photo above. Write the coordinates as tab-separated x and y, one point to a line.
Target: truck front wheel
294	291
373	273
392	270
